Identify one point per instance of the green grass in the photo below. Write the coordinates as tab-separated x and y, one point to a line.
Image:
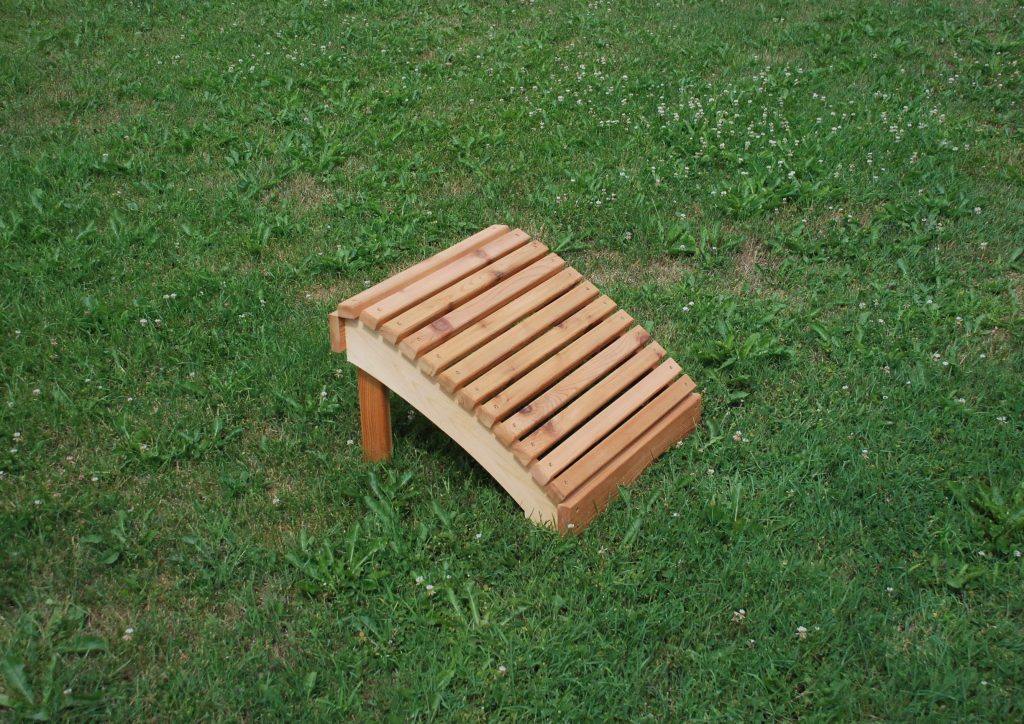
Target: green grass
817	208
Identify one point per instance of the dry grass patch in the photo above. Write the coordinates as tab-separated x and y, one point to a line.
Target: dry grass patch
302	191
607	268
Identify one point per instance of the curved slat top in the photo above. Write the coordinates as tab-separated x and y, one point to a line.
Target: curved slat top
579	399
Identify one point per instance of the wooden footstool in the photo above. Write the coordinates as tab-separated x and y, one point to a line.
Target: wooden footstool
524	364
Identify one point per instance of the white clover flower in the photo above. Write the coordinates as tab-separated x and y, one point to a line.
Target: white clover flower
502	670
738	615
801	632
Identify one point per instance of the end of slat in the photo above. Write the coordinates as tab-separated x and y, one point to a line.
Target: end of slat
522	456
407	350
428	365
541	472
391	335
465	400
371	318
348	309
336	330
486	416
448	384
506	436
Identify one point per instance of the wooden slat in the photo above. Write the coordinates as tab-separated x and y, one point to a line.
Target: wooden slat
480	306
552	369
601	456
518	364
432	308
351	307
494	324
547	435
540	409
336	330
590	499
595	429
511	341
474	260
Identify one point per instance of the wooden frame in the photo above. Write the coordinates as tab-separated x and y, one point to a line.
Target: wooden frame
555	392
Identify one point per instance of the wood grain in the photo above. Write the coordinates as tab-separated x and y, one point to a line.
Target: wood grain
552	369
336	331
504	373
511	341
558	427
351	307
477	308
374	417
427	311
369	351
595	429
558	395
479	334
601	456
455	271
580	509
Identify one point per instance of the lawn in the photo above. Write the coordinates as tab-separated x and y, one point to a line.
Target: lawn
817	208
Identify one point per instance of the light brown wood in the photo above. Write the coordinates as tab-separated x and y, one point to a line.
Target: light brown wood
525	365
589	500
479	334
595	429
557	337
456	271
374	417
427	311
560	394
545	437
368	350
510	342
472	311
336	330
600	457
551	370
351	307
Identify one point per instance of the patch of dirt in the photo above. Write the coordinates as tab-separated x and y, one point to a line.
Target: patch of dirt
605	267
302	191
754	257
332	293
1016	287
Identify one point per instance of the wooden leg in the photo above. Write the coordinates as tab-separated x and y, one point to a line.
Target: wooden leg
374	418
